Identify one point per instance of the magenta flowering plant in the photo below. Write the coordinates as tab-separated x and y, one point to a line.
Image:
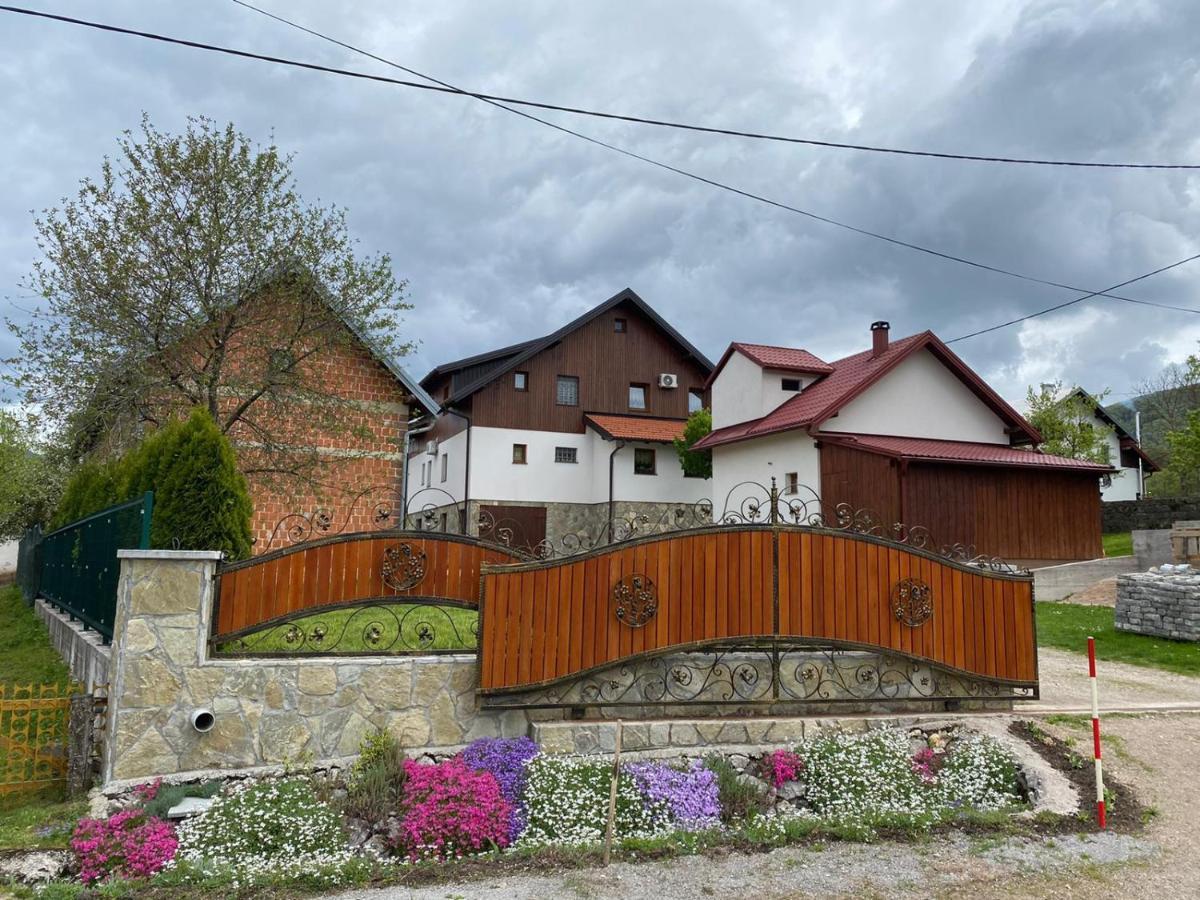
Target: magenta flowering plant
927	762
148	791
128	844
780	766
508	761
690	796
450	810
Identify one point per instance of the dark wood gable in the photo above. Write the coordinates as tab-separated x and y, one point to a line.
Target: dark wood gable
606	361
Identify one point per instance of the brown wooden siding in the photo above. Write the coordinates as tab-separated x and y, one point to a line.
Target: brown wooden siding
606	363
1013	513
1017	514
553	621
342	571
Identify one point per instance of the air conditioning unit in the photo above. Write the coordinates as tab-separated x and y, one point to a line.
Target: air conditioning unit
431	448
667	380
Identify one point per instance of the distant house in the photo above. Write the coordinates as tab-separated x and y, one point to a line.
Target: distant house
561	434
907	430
1132	463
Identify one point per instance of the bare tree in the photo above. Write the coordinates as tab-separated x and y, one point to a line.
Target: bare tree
191	273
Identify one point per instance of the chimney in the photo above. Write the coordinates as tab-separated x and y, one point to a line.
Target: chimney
879	339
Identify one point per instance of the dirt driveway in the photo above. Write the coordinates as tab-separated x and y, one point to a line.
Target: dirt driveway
1064	685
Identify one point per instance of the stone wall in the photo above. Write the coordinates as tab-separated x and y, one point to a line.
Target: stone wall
1147	513
266	711
84	651
1160	605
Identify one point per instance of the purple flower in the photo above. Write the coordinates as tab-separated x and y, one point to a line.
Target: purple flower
506	759
690	794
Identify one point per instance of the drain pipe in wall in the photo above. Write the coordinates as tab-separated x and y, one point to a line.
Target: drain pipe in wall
612	457
466	507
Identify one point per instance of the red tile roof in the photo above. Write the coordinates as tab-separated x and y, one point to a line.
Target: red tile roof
966	452
637	428
793	360
849	378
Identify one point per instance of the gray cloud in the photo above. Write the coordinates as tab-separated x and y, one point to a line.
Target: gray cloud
506	229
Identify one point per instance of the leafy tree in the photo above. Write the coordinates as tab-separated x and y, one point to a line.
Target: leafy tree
1068	423
191	273
695	463
1165	401
93	486
1181	477
29	478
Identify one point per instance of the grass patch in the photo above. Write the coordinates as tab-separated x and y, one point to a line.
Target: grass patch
37	824
1118	544
1067	626
26	654
364	629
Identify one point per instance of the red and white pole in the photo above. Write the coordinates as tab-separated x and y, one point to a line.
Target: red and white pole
1100	817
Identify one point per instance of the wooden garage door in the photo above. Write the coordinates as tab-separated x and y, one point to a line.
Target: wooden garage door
519	527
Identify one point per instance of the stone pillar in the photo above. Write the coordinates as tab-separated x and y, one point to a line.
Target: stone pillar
164	604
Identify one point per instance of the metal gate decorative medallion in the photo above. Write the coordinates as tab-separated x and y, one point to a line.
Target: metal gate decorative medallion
912	602
403	567
636	600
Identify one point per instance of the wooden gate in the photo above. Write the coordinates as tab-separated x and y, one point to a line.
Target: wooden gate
755	599
369	592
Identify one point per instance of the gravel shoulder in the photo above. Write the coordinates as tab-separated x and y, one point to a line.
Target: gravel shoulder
1064	684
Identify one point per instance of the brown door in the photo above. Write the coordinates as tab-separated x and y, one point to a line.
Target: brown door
519	527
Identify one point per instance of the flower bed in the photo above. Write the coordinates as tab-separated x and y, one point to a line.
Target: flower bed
503	794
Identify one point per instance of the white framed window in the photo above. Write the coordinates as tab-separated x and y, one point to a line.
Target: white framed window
566	455
791	483
445	465
567	390
521	381
643	461
520	454
637	396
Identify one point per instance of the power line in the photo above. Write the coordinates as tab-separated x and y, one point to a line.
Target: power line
599	114
1071	302
449	88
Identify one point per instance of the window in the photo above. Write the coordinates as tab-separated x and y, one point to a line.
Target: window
695	400
619	326
445	521
565	455
445	465
567	392
637	396
643	461
519	451
790	384
791	483
521	381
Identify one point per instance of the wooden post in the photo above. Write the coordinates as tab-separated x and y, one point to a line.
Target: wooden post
612	795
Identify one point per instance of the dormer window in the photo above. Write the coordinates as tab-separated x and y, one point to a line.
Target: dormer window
620	326
790	384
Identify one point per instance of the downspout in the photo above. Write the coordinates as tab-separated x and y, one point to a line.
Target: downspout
408	433
612	457
466	474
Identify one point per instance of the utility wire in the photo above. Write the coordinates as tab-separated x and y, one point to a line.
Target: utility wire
1070	302
445	87
599	114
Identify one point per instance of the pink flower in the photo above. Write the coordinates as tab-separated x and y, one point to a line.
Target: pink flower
449	810
781	766
128	844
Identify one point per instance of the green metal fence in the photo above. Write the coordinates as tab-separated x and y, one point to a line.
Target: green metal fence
78	566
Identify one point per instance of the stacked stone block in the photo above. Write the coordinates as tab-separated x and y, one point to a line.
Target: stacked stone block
1162	605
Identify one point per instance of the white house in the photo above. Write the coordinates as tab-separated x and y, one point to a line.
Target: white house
1131	462
562	434
905	429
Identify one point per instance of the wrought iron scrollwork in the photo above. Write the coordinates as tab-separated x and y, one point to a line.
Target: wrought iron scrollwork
635	600
769	674
377	628
403	567
912	602
296	528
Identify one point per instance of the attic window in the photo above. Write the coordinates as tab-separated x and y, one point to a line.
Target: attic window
619	326
521	381
567	390
790	384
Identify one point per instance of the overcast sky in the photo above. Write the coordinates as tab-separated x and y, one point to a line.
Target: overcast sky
506	229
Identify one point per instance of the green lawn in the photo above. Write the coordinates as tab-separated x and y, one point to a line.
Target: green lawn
1067	625
38	823
1118	544
26	654
403	627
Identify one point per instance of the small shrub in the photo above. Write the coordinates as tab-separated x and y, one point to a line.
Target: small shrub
264	822
978	771
451	810
375	786
128	844
779	767
862	774
691	795
508	760
157	798
739	797
566	802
